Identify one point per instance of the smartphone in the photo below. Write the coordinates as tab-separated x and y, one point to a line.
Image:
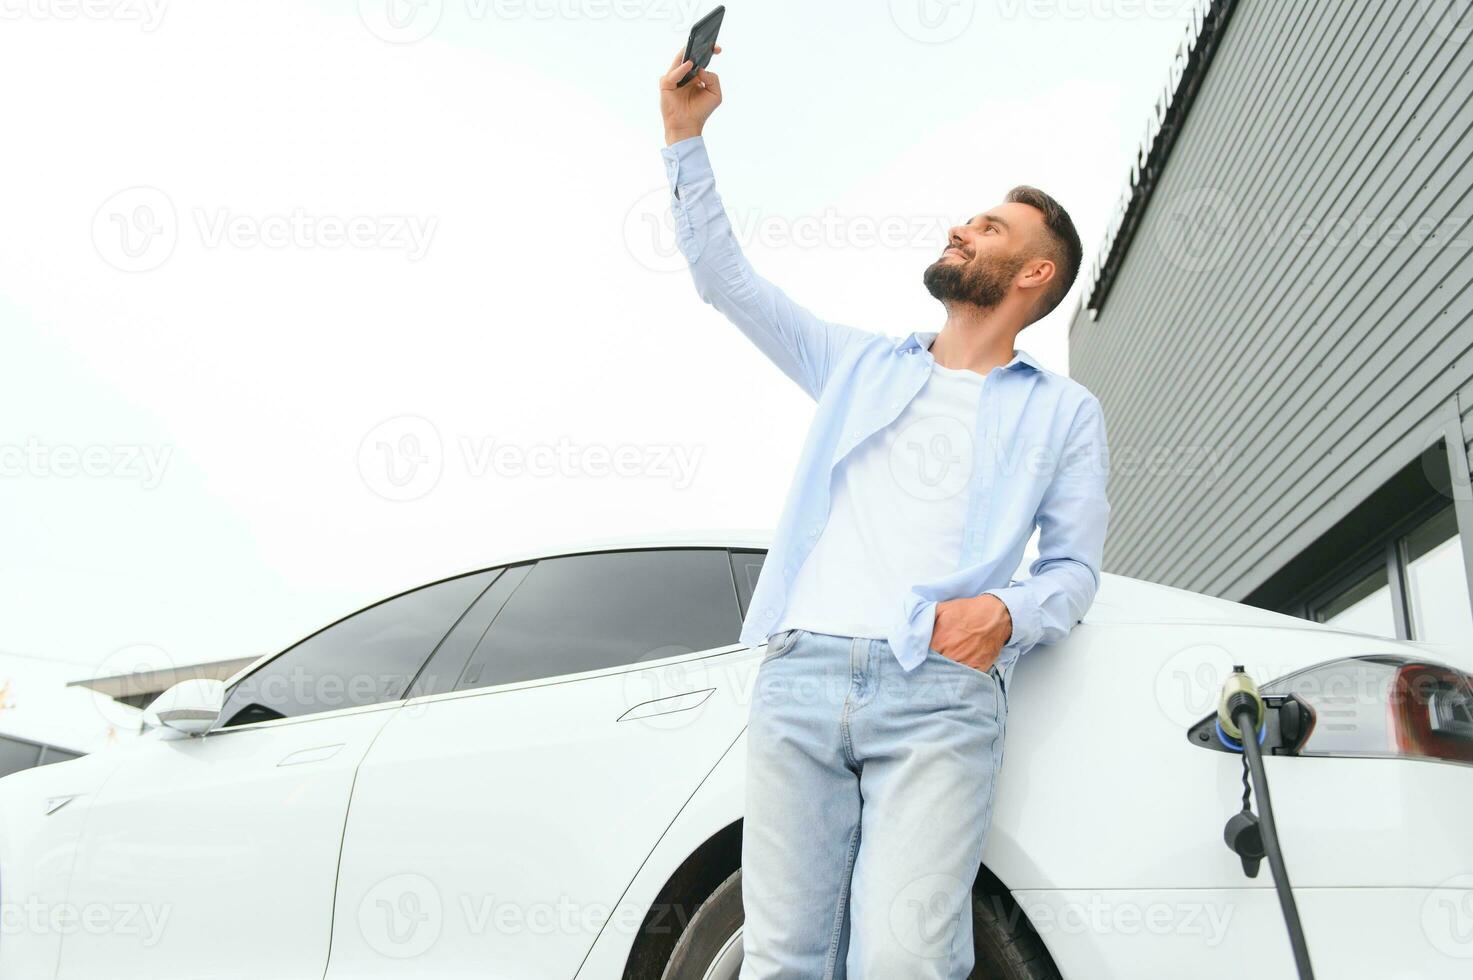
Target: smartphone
702	40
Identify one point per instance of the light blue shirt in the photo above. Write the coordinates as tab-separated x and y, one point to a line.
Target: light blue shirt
1041	456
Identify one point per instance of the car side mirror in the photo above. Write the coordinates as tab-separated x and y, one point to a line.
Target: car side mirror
191	706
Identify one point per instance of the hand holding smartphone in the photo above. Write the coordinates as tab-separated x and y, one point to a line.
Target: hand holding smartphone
702	43
686	107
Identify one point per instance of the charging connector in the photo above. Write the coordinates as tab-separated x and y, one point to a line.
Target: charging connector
1241	722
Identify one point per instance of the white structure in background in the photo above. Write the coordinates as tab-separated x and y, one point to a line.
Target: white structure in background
52	710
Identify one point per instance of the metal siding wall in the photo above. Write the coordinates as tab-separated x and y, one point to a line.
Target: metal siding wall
1311	366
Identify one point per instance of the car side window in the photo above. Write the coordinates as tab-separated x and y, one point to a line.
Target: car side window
609	609
746	566
448	665
367	658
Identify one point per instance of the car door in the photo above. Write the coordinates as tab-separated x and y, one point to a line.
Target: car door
500	815
217	855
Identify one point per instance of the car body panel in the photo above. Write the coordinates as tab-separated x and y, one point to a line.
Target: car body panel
578	797
224	849
503	825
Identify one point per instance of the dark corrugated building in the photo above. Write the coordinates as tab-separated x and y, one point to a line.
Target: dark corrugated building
1280	323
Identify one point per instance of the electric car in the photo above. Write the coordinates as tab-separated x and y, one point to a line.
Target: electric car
534	771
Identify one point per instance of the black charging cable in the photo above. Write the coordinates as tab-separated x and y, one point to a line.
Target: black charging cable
1241	726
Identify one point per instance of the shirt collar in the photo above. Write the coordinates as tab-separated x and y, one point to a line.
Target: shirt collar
921	340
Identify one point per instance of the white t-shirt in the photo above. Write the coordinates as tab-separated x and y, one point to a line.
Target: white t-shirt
896	515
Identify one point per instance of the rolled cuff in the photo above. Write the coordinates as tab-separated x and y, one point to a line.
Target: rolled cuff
1026	616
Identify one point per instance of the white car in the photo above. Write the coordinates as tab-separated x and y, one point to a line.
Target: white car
536	770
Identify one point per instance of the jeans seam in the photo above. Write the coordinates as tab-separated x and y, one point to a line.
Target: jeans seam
849	755
837	936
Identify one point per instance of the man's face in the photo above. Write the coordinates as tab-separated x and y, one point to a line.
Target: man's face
983	256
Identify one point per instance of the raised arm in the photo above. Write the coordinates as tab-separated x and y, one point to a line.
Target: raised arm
802	345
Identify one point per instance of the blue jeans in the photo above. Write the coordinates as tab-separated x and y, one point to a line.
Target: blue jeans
868	798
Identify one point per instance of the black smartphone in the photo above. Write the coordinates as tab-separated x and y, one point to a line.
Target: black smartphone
702	40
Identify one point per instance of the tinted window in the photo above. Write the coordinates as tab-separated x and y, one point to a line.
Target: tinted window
16	755
52	754
365	659
745	567
448	664
587	612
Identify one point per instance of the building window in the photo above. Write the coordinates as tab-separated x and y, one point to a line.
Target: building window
1437	582
1414	586
1364	605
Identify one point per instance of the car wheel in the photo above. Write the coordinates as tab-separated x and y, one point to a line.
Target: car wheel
710	948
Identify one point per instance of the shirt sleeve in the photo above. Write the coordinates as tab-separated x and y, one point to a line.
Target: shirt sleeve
1072	519
803	346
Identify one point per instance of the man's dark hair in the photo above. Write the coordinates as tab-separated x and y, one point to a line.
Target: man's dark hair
1064	249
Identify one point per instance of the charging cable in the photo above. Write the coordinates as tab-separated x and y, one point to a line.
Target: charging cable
1240	712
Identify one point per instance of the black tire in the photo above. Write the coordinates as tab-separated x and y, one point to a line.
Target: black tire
709	933
1006	946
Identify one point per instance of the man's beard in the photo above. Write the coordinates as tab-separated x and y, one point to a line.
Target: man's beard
982	282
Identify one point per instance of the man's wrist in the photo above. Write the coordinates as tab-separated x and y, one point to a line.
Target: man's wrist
1007	614
673	136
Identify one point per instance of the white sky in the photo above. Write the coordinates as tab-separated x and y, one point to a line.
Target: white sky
511	289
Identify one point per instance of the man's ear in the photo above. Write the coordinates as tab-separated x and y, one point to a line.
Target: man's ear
1038	273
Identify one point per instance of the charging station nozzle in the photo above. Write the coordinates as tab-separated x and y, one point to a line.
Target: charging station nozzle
1238	693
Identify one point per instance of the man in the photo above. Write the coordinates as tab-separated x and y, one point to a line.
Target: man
886	602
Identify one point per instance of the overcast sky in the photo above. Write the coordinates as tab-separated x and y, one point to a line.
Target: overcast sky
305	303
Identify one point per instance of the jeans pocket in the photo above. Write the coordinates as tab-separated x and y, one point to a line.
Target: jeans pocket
951	662
780	644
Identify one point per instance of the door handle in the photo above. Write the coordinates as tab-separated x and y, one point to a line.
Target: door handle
317	754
